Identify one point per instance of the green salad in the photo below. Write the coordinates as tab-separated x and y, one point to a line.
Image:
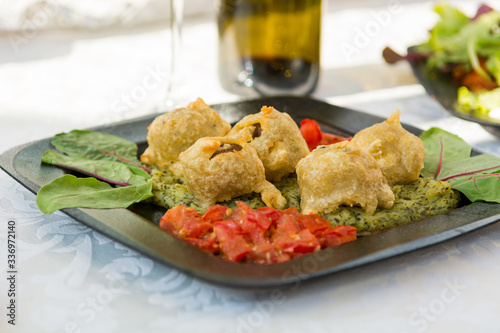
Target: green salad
468	48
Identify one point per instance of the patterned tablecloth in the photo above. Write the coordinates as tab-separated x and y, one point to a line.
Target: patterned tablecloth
70	278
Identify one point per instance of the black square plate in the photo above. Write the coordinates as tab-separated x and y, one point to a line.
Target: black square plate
137	227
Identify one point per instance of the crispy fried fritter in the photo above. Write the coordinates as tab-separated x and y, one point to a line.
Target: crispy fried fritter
399	153
175	131
277	139
341	174
219	169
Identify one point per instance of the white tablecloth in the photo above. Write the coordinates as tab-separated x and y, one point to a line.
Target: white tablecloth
73	279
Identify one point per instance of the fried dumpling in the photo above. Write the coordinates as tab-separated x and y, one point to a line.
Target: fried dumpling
221	168
175	131
399	153
341	174
277	139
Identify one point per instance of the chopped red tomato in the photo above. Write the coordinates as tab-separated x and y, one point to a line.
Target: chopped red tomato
266	253
317	225
297	244
216	213
314	222
245	215
195	228
272	214
233	245
339	235
209	245
263	235
253	223
175	218
287	224
311	132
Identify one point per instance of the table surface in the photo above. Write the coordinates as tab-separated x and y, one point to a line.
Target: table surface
73	279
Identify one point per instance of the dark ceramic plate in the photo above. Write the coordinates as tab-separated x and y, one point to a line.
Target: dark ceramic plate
443	89
137	225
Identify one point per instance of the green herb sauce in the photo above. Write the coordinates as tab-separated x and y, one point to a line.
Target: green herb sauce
424	198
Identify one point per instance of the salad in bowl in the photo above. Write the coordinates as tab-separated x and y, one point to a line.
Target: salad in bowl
467	51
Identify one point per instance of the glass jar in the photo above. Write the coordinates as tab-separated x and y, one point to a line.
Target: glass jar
269	47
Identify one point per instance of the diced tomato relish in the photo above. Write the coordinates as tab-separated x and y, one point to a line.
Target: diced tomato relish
263	235
311	132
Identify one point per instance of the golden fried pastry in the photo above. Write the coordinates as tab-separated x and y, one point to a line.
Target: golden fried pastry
277	139
341	174
219	169
399	153
175	131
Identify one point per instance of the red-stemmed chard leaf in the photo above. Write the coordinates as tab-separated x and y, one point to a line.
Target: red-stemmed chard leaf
448	158
441	146
97	146
102	156
69	191
116	173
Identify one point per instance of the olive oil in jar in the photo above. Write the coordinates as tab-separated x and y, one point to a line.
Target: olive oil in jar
269	47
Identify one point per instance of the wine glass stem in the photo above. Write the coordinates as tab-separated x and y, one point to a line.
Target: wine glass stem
176	12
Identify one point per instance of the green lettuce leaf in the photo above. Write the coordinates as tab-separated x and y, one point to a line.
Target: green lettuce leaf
451	22
493	66
480	104
455	39
69	191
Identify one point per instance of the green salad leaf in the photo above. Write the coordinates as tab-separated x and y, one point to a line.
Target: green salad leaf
448	158
456	39
97	146
469	44
441	146
103	156
482	103
109	171
480	188
69	191
451	22
493	65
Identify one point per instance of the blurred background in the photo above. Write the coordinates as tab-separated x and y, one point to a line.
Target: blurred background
68	64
